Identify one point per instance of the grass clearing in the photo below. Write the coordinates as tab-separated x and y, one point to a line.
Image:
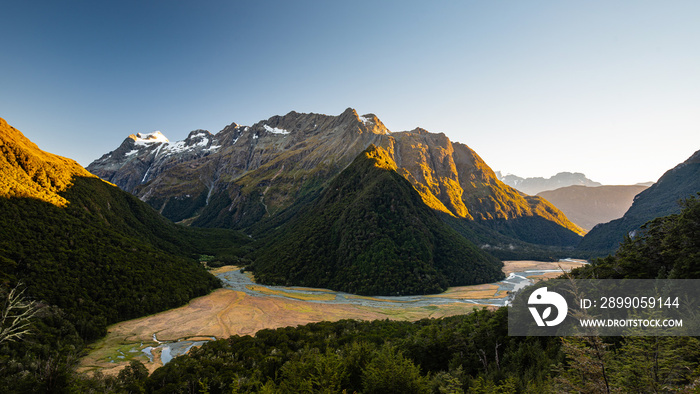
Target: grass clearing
226	312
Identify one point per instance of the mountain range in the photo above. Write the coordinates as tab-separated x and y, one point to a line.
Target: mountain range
244	176
588	206
539	184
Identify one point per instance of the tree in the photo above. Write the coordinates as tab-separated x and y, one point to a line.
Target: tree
589	361
133	377
657	364
17	314
391	372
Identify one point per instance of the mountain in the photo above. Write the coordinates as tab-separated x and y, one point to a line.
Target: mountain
369	232
538	184
87	247
143	156
28	172
661	199
668	247
244	175
590	205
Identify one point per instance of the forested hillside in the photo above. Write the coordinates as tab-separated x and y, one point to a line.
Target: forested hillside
369	232
666	247
86	254
661	199
244	176
459	354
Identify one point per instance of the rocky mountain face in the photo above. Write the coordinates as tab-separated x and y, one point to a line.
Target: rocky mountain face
661	199
143	157
538	184
245	173
590	205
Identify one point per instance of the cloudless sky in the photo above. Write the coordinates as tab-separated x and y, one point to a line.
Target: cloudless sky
608	88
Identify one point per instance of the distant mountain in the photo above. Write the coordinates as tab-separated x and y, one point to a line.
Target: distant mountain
538	184
369	232
661	199
591	205
244	176
87	247
667	248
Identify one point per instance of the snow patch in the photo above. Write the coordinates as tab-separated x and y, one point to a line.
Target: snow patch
366	120
275	130
131	153
150	138
177	147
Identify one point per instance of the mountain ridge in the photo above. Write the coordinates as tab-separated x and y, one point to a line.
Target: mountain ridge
370	233
535	185
661	199
27	171
260	170
588	206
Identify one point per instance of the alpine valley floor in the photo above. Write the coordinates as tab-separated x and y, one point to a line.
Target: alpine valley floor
243	307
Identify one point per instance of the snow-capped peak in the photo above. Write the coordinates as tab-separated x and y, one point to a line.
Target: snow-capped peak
150	138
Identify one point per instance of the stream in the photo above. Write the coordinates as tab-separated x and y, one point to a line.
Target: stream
238	281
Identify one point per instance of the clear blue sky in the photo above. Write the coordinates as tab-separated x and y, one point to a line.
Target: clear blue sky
608	88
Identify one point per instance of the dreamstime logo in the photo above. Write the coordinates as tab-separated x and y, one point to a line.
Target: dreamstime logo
543	297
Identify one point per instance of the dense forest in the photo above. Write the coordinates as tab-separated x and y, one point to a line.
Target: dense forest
103	258
461	354
370	233
471	353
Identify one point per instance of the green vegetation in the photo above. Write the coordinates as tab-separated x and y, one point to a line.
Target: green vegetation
87	254
446	355
497	238
460	354
103	258
666	247
370	233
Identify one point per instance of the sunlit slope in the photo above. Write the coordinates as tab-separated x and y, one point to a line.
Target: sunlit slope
247	175
369	232
87	247
27	171
451	177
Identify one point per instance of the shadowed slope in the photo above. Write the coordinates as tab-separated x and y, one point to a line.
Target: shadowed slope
369	232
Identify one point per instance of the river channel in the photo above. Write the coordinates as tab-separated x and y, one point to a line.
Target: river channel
239	281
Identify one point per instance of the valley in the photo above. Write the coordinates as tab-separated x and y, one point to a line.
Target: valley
409	268
244	307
